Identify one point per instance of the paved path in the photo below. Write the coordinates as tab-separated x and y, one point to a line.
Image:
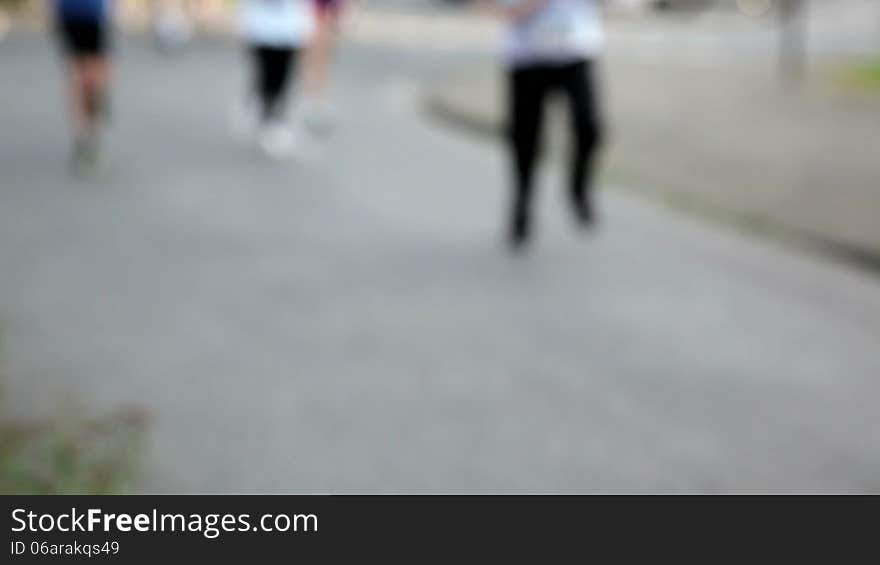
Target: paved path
352	324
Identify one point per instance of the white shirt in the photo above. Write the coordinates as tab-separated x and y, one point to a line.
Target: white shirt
560	32
277	23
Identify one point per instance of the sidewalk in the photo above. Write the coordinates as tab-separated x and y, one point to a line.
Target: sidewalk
726	141
353	323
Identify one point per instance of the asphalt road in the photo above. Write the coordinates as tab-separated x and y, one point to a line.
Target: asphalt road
352	322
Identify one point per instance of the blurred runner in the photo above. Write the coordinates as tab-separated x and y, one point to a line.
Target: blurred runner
319	109
172	24
84	29
276	31
551	47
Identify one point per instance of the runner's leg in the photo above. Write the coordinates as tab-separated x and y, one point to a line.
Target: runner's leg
528	89
578	83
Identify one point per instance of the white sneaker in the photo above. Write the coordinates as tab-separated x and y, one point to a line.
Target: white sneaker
276	140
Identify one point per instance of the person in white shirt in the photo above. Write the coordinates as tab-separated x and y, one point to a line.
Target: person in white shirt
551	46
276	32
172	24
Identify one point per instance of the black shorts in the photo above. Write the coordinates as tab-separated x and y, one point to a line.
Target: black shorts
83	38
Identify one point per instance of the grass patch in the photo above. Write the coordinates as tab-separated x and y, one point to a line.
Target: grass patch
71	455
861	76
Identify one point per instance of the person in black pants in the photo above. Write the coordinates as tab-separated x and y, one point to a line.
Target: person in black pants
273	67
529	89
276	32
551	48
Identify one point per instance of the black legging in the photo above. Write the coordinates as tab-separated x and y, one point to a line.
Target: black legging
529	87
273	68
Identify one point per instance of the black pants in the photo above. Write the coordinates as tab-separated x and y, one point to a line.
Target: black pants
273	69
529	89
88	38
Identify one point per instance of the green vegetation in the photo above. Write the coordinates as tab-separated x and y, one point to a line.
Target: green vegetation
862	76
11	4
68	453
69	456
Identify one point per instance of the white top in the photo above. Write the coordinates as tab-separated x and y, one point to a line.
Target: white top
560	32
277	23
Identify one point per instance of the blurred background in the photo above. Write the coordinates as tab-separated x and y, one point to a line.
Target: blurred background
196	318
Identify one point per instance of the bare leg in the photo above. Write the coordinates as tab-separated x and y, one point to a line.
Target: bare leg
319	55
88	78
77	96
96	78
